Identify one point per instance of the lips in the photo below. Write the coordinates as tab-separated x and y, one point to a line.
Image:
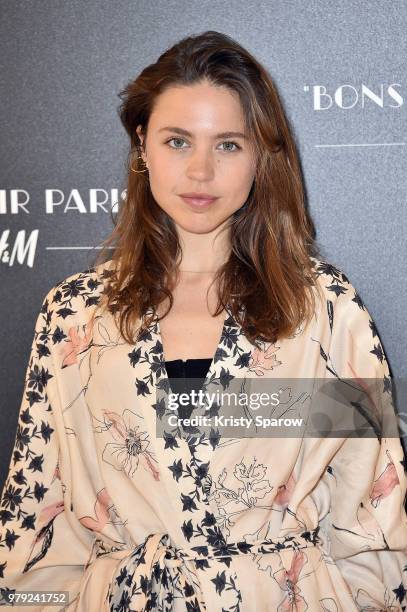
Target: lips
198	200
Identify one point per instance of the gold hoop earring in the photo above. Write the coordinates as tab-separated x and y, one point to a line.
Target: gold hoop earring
138	171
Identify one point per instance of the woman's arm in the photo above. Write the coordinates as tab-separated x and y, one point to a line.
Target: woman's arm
42	544
367	476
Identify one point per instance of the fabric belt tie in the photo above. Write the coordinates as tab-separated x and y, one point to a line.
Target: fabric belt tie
155	573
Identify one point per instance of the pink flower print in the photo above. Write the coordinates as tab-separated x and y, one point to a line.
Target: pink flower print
287	580
364	386
50	512
102	505
57	473
284	493
263	360
385	483
80	338
130	444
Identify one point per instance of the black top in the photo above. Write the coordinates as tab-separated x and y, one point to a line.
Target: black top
189	368
180	372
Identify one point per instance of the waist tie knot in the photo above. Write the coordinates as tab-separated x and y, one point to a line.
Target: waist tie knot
155	572
152	576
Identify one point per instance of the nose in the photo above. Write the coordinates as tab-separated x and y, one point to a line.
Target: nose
201	165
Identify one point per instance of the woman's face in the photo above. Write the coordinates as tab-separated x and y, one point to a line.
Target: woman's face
188	150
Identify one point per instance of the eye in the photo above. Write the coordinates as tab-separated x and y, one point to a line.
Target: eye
228	142
175	139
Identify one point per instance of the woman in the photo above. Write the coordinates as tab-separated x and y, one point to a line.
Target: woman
215	275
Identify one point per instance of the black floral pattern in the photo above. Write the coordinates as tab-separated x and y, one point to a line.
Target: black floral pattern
211	484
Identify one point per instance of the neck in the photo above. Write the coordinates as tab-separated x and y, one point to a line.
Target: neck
204	253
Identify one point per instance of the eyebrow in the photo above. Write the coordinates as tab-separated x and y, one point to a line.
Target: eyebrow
183	132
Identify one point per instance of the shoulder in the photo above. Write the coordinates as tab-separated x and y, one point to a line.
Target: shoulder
74	298
337	290
348	316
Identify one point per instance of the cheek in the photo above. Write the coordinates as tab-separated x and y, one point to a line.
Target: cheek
163	183
161	173
240	172
248	171
245	181
239	183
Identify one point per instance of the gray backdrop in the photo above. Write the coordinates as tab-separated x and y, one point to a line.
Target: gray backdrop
341	71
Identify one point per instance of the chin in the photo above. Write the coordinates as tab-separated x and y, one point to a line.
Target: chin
199	225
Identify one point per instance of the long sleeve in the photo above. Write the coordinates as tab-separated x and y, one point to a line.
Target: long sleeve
42	544
367	523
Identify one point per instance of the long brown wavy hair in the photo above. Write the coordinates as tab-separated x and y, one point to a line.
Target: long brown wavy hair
268	280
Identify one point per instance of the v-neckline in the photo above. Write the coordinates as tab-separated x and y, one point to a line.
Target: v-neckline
185	444
210	371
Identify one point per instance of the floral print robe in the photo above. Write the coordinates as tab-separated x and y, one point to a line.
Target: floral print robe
98	505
